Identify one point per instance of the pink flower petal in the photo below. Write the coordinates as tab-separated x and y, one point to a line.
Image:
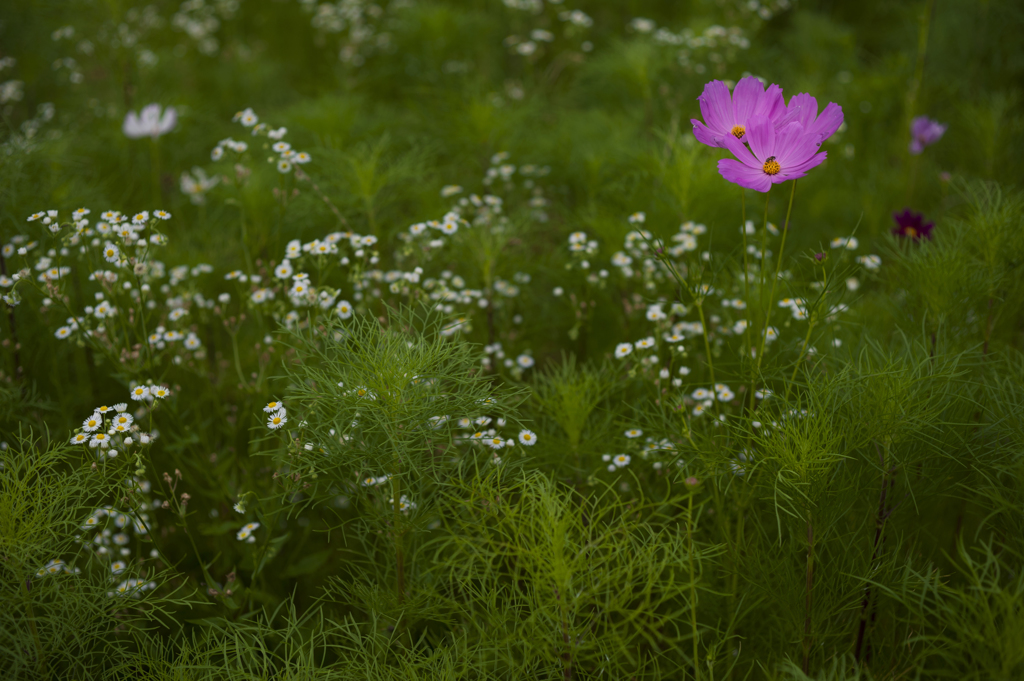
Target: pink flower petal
744	176
704	134
827	123
772	103
802	168
761	136
740	151
716	106
746	97
794	146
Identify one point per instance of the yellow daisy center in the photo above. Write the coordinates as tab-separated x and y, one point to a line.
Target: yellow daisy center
771	166
738	131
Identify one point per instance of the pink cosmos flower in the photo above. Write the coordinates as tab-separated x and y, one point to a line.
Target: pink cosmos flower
773	156
726	115
803	109
149	122
924	131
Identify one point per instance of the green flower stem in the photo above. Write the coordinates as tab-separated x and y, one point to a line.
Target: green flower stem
245	239
746	263
238	364
693	588
154	163
775	281
396	503
807	338
808	596
26	591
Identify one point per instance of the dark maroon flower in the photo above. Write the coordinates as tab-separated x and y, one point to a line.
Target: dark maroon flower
912	225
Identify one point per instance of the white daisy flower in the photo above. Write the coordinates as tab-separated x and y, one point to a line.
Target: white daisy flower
277	419
527	438
123	420
247	117
645	343
93	423
634	433
246	530
623	349
140	393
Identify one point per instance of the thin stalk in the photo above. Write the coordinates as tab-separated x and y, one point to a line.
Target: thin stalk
707	351
746	260
775	281
396	490
693	589
18	371
764	254
26	588
860	648
243	383
807	338
808	593
915	86
697	301
154	162
245	239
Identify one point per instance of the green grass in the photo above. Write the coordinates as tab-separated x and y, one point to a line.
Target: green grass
470	483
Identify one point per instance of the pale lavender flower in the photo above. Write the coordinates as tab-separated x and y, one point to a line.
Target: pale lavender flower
149	122
924	132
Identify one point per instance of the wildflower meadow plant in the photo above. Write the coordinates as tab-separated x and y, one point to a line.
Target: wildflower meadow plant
434	344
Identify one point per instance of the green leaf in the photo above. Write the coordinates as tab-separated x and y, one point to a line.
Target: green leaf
310	563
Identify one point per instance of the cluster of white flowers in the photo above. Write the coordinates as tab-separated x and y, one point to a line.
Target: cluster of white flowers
246	533
111	429
200	20
716	45
538	42
286	158
277	415
355	26
135	588
112	529
56	566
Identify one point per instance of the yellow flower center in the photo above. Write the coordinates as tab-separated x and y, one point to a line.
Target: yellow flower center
910	231
771	166
739	131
